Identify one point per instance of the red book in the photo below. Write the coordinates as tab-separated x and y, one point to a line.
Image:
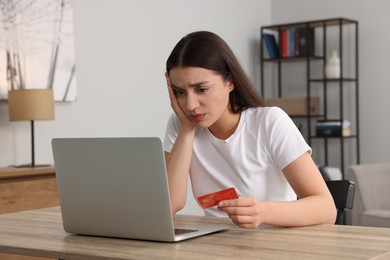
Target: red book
284	44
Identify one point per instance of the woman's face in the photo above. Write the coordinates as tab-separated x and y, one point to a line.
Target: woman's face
202	94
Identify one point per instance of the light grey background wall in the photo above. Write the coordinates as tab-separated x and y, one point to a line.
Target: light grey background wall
126	94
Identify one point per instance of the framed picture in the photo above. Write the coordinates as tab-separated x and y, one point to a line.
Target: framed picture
37	47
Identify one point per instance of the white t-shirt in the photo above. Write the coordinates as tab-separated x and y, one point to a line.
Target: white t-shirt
251	160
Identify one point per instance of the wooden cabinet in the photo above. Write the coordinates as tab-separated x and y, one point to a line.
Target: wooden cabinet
25	189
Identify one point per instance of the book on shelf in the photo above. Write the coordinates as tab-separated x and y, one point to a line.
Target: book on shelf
291	42
284	43
271	45
306	41
296	43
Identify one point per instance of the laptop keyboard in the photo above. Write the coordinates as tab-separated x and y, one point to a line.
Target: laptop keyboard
181	231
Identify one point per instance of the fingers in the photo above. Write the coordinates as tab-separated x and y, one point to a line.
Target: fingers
244	221
172	95
168	79
184	119
244	212
242	206
240	202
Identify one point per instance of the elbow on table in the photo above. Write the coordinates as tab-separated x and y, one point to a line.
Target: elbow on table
331	214
334	216
326	211
176	207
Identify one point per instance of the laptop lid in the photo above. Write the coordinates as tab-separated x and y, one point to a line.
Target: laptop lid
116	187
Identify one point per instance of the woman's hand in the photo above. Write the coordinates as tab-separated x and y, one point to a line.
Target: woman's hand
178	160
244	212
184	119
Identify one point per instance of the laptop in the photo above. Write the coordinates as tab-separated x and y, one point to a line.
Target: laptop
117	187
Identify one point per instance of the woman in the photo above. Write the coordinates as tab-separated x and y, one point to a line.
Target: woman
222	136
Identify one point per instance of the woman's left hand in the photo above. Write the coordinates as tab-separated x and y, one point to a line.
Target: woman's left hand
244	212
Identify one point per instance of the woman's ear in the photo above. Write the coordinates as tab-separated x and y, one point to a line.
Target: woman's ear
229	83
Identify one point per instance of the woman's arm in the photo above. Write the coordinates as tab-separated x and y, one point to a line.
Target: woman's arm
178	166
315	204
178	160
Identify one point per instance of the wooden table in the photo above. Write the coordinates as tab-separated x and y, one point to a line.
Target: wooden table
40	233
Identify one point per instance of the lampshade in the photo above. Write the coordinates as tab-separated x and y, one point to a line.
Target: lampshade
31	104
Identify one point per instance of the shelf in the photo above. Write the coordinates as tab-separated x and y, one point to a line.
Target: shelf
305	116
332	80
333	137
294	59
313	72
311	24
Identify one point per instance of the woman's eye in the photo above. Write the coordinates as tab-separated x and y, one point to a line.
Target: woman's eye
202	90
179	93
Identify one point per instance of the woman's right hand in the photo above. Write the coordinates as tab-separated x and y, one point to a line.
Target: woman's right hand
184	119
178	160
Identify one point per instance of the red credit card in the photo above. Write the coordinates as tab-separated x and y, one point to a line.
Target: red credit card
212	199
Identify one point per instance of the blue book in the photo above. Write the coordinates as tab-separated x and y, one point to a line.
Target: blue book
271	46
291	42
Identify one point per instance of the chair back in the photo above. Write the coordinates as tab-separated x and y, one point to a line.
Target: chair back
343	193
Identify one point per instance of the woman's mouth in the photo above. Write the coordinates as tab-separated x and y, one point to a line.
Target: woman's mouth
198	117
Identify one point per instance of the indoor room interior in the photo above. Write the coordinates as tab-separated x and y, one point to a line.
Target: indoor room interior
115	71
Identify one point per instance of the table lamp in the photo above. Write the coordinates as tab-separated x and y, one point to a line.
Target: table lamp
31	105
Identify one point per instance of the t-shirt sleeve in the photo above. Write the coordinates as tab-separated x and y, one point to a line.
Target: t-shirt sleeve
171	132
285	141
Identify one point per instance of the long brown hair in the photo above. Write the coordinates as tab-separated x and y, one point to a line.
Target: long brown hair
209	51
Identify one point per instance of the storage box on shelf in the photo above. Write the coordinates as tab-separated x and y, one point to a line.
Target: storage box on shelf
296	106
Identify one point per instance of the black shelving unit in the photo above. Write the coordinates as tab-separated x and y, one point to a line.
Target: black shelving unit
314	64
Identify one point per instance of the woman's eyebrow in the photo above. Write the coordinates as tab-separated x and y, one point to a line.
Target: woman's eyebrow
196	84
200	83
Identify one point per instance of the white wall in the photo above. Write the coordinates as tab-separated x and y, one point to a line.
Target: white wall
122	47
374	41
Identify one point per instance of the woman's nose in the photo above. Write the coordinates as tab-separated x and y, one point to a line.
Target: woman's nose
191	103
